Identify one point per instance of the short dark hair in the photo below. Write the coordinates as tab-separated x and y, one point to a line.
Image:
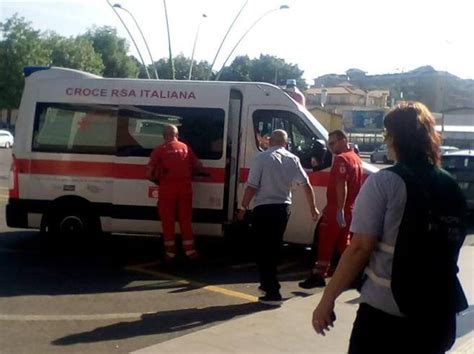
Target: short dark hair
413	130
339	134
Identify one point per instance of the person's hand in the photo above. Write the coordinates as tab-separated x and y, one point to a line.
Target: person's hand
341	221
315	214
241	214
323	317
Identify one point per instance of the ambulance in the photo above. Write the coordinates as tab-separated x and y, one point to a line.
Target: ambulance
83	141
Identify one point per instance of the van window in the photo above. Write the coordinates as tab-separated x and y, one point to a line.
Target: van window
301	141
68	128
141	129
125	131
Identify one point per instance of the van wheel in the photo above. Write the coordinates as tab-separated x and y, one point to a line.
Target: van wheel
72	224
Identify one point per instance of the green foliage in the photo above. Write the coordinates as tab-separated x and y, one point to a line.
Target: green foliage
266	68
20	46
77	53
239	70
181	65
113	51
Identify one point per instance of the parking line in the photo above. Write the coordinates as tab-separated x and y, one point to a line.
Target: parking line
217	289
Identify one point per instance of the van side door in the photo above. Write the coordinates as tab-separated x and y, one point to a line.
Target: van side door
140	130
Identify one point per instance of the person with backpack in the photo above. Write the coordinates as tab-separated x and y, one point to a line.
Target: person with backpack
408	228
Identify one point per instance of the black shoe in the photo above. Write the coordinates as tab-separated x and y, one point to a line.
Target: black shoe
271	299
314	281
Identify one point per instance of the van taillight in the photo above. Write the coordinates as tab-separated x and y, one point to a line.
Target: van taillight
14	191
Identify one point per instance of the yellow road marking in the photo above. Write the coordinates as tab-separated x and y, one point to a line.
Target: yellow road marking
213	288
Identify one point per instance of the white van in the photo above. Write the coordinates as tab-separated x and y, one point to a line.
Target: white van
83	141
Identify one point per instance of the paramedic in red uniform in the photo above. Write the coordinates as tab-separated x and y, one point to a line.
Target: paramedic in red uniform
171	166
345	181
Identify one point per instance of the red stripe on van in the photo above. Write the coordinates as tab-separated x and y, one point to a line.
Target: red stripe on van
102	169
14	191
317	179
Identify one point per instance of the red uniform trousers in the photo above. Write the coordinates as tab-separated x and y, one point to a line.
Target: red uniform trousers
176	200
331	238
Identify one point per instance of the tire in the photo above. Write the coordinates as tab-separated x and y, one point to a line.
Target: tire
72	224
372	159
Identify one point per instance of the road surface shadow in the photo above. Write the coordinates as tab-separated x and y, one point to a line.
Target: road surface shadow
163	322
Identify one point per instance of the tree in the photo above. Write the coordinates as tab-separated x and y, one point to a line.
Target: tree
20	46
266	68
181	65
113	51
239	70
75	53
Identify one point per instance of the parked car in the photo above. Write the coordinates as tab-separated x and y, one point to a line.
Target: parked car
380	154
447	149
6	139
461	166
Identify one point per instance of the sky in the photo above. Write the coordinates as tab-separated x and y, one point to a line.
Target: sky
321	37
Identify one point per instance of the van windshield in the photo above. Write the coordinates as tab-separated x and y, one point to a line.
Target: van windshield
322	132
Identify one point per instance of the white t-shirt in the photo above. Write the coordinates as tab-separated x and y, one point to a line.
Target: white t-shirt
378	212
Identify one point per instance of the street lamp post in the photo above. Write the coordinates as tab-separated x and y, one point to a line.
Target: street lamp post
169	42
225	36
282	7
131	37
194	47
141	33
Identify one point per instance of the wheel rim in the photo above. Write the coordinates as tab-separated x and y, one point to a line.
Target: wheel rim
71	225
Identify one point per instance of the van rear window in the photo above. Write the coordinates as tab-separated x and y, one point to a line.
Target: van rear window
125	130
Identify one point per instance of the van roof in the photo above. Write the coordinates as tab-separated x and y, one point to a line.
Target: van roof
56	72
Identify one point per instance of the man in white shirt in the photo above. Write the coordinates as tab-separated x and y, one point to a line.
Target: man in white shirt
272	174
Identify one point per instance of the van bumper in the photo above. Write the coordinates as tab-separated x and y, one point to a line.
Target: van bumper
16	214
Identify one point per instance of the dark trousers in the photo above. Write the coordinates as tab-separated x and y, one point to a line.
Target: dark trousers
375	331
268	226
